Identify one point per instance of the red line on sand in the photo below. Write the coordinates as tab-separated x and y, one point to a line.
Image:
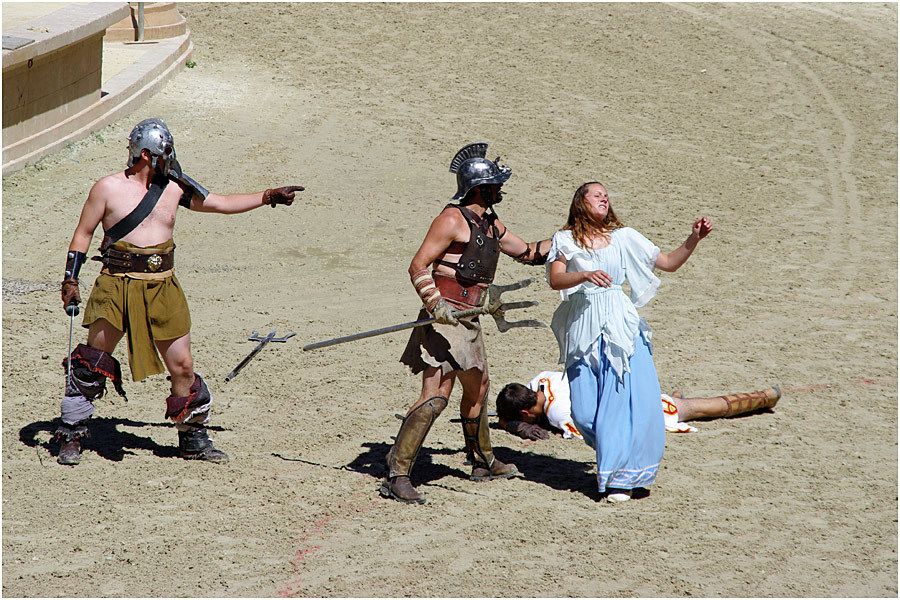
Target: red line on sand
823	386
357	504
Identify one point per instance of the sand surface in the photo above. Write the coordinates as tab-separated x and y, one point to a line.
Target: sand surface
777	121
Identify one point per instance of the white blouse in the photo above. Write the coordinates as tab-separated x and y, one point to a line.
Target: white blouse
589	313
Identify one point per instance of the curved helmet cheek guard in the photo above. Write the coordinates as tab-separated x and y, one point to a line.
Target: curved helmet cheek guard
154	136
473	169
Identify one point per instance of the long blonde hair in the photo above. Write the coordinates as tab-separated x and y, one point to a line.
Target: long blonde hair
582	222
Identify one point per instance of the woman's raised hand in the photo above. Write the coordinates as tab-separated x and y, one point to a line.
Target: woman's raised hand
702	227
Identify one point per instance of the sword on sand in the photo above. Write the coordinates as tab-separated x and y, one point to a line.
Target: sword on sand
494	306
255	337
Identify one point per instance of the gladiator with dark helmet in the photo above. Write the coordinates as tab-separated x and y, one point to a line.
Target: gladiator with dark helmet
473	169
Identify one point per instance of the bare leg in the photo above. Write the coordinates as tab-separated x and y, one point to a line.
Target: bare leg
177	356
475	386
103	336
434	383
77	405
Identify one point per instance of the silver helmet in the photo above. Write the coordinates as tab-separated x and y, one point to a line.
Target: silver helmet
152	135
473	169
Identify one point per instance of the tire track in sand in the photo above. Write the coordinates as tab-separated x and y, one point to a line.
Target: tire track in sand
809	88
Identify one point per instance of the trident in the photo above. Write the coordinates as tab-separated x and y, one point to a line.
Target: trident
494	306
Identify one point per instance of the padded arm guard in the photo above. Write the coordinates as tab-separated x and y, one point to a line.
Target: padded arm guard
426	289
188	184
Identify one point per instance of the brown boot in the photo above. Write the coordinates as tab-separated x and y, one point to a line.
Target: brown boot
403	453
69	438
478	447
401	488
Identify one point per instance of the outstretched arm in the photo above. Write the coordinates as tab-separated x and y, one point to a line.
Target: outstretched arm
527	253
672	261
238	203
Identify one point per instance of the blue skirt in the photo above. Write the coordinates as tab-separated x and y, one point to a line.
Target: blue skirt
621	419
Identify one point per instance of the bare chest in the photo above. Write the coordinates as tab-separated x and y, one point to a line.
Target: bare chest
157	226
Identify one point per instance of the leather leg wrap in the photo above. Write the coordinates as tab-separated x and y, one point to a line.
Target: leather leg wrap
739	404
478	438
415	427
90	369
193	408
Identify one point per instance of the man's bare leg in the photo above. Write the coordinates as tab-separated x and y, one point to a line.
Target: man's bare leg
729	405
189	403
473	410
434	383
176	354
103	336
436	388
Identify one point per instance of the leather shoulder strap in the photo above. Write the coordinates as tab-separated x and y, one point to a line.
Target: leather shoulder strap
140	212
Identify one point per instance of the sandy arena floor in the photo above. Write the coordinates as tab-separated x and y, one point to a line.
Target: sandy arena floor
778	121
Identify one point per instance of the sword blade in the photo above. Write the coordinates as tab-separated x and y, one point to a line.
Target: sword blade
69	370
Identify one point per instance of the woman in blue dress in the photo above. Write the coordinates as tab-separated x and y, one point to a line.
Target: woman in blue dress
604	344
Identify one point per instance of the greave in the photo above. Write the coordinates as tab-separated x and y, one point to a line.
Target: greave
738	404
478	438
415	427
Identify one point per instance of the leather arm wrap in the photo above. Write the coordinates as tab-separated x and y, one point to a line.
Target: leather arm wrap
532	255
426	288
74	260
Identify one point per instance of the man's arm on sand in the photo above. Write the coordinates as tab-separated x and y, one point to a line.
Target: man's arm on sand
526	431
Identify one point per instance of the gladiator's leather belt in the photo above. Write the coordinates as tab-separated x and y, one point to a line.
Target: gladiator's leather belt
128	262
453	291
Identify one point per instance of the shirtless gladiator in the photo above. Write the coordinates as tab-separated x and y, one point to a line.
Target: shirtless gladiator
137	292
451	270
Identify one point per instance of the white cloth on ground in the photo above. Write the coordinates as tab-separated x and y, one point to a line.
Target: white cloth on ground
557	401
670	415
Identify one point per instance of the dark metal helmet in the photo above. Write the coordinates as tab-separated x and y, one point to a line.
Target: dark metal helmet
152	135
473	169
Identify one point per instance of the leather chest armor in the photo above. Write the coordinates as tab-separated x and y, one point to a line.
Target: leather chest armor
478	258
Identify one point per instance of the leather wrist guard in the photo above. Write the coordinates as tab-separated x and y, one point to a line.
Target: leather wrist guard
426	288
74	260
532	255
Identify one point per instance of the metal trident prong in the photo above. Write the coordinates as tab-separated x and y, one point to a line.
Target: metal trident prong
497	308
